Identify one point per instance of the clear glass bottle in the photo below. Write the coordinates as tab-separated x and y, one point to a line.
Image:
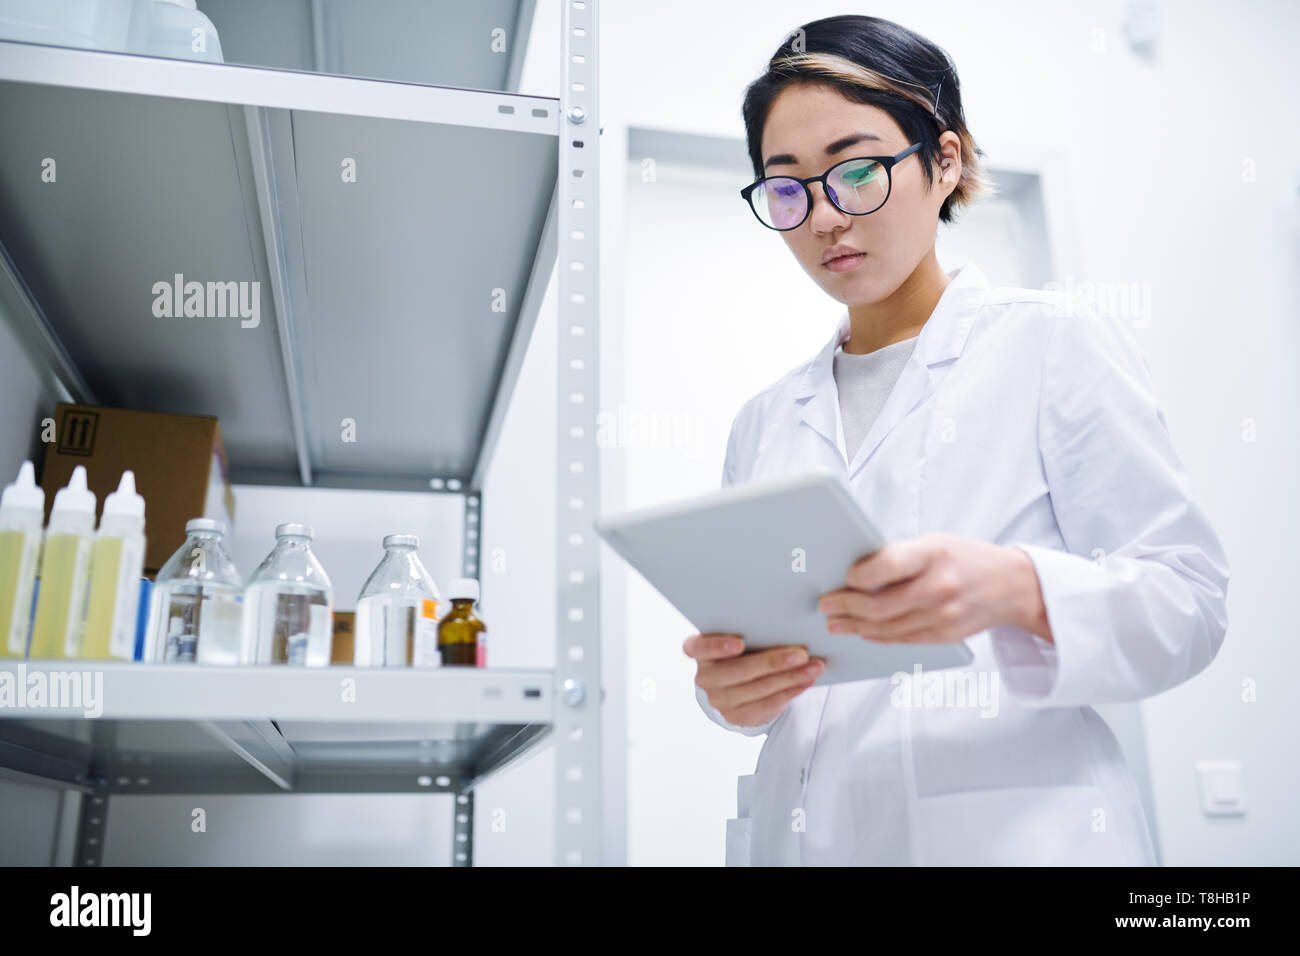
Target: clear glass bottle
397	610
289	605
197	604
461	635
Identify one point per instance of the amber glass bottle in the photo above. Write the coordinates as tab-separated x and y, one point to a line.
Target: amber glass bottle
460	632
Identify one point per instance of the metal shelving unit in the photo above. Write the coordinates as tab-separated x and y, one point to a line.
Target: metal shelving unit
240	174
175	729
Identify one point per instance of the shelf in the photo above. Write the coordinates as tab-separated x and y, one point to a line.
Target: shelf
183	729
396	308
403	301
447	42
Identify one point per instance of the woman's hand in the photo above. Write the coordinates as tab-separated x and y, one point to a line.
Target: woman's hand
938	589
752	689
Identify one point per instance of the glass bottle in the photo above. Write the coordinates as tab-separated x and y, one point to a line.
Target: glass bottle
397	610
461	633
289	605
197	604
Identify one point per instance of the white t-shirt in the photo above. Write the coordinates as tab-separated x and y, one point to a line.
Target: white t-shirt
864	383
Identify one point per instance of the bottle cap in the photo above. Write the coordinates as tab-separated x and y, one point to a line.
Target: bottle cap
125	501
76	496
293	527
463	588
24	493
401	540
204	524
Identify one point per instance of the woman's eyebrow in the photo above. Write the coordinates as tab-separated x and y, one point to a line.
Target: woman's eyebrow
844	142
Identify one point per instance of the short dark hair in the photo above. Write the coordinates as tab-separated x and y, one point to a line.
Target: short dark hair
877	62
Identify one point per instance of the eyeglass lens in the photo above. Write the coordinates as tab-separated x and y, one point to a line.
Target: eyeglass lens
858	186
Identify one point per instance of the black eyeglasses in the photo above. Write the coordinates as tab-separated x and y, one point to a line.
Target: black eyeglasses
856	186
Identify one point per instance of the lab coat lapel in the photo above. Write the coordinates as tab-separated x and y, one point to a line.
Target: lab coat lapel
940	343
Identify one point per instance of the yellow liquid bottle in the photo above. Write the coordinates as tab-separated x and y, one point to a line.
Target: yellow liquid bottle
461	634
116	563
62	594
22	512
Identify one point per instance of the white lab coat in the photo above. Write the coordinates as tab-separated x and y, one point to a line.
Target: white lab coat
1023	420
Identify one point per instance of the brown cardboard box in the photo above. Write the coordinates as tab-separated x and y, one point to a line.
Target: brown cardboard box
345	623
178	460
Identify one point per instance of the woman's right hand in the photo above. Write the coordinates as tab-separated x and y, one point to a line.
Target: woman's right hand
750	689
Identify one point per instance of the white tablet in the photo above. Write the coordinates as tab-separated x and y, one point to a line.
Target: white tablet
754	559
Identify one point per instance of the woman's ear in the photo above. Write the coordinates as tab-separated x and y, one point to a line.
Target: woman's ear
949	159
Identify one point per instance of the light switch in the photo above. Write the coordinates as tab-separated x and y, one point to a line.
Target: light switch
1222	793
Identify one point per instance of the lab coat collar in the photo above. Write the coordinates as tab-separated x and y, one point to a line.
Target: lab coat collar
941	340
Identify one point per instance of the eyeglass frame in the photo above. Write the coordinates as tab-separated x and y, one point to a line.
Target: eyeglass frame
888	162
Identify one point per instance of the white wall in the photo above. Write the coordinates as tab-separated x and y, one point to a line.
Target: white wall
1146	159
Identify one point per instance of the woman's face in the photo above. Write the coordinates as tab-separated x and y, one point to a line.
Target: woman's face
810	128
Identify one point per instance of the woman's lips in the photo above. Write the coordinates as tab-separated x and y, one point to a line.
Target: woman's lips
845	263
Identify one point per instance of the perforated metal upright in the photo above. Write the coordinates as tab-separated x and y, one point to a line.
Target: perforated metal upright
578	690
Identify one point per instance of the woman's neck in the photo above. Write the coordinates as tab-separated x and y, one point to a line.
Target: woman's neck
901	314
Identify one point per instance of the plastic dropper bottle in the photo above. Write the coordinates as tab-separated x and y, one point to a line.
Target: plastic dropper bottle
116	564
57	631
22	512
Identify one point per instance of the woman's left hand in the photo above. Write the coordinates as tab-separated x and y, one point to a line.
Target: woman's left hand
936	588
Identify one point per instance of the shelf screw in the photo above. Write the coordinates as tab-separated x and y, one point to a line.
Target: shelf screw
574	692
577	115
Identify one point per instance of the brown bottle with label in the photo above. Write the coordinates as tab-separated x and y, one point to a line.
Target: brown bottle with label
461	635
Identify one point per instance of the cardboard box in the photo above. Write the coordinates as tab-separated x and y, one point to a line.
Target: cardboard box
178	460
345	623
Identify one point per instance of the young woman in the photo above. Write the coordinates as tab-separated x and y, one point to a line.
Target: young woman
1009	445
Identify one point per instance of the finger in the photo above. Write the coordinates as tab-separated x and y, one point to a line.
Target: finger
710	647
893	562
738	695
891	602
912	628
760	711
741	670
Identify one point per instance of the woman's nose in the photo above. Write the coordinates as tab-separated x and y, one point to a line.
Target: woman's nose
825	215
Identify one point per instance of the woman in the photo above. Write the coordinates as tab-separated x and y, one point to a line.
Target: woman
1010	447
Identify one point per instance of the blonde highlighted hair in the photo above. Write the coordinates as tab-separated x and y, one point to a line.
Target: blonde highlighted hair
877	62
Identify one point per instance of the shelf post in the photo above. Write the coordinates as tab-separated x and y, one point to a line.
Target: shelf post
578	693
92	824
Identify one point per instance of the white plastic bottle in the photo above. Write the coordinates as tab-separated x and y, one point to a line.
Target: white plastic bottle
116	564
173	28
22	513
62	595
